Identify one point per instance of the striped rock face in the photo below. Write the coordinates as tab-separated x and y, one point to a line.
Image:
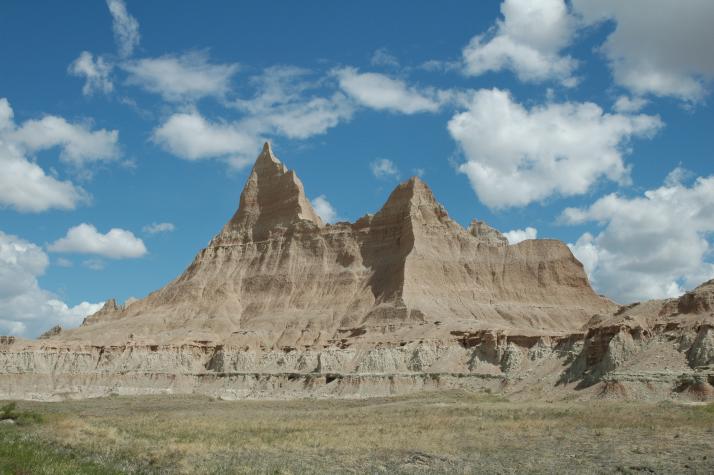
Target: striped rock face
275	276
282	305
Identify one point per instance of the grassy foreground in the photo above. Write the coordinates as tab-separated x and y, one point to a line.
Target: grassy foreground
426	433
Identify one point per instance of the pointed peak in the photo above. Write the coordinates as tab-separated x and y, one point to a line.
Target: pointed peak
267	161
417	188
415	183
411	194
273	197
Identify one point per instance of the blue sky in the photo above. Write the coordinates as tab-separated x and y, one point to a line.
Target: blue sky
127	130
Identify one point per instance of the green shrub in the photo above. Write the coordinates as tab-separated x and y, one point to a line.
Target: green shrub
8	411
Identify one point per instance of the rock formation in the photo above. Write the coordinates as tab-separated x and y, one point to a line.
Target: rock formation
280	304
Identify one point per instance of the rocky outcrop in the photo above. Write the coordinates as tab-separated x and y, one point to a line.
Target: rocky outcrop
276	276
483	232
661	347
273	199
403	299
54	331
109	309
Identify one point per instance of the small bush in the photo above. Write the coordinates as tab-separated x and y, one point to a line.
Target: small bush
8	411
28	417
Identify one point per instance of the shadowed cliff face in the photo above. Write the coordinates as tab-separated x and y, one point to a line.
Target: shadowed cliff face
277	276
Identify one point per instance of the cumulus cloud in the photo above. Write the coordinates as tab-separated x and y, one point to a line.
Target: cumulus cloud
657	46
627	104
24	185
85	239
324	209
155	228
284	103
79	144
528	41
192	137
384	168
517	235
381	92
179	78
27	309
125	26
650	246
304	119
516	156
6	115
96	73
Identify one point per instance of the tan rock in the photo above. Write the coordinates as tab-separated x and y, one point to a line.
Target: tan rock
490	236
276	276
280	304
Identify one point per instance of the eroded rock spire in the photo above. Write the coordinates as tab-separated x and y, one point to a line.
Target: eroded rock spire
273	197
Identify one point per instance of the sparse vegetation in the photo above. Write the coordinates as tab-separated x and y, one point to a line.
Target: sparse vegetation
424	433
8	412
23	453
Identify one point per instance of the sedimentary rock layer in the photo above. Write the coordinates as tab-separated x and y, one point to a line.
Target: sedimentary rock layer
281	304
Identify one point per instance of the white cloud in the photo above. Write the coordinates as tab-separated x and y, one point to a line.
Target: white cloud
276	86
6	115
24	185
155	228
527	41
516	156
305	119
85	239
625	104
283	104
384	93
187	77
191	137
651	246
125	26
437	65
96	73
658	47
517	235
384	168
27	309
324	209
79	144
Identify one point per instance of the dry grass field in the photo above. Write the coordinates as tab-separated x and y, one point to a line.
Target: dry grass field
453	432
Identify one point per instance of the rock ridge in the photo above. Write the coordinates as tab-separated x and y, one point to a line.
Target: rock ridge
280	304
275	275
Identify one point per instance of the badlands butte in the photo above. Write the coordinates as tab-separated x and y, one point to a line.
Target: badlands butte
282	305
